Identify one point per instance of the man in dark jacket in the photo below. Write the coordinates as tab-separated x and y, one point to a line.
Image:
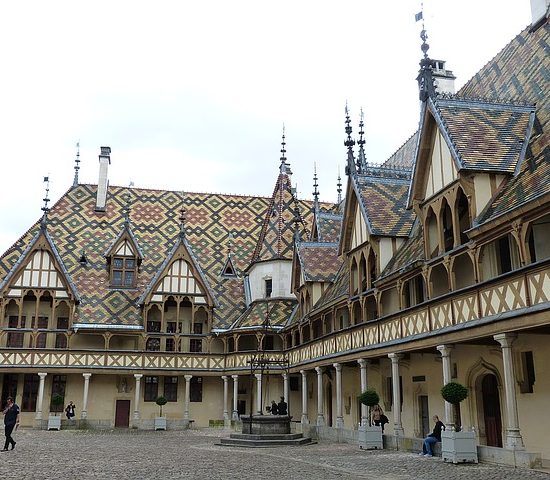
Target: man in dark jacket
11	420
282	407
433	437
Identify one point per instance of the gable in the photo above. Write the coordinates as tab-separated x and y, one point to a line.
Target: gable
39	272
441	167
359	233
125	249
179	279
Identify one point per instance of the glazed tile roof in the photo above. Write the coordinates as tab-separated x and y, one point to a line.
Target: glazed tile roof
384	200
410	252
486	135
319	261
75	226
521	70
404	156
328	226
277	310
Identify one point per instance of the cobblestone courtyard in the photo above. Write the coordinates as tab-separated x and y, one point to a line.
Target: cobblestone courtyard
193	454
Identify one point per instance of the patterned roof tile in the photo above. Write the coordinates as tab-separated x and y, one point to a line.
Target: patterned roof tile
319	261
277	310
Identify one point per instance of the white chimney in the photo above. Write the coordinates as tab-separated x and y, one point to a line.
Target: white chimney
444	80
539	11
103	182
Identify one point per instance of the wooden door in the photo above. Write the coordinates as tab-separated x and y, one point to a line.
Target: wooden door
122	414
491	410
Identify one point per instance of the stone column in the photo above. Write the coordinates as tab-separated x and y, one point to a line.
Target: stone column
235	413
137	376
320	414
445	351
305	419
285	389
84	411
396	407
258	393
363	376
187	395
514	439
40	398
339	412
225	398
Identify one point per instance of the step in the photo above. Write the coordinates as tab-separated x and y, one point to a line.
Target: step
232	442
266	436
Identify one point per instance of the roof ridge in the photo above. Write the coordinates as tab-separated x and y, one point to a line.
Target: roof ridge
489	101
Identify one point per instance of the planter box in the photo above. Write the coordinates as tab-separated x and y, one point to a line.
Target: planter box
370	437
458	447
160	423
54	422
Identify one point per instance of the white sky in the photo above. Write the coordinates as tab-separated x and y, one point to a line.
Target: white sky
192	95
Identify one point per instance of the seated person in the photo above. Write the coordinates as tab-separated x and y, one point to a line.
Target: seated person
282	407
274	408
433	437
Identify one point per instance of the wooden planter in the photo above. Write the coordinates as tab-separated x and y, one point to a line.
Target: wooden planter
458	447
370	437
160	423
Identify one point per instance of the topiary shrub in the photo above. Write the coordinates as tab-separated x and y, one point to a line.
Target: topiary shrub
369	398
160	401
454	393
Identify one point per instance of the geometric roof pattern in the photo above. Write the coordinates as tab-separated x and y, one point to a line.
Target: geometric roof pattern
212	221
486	135
276	310
319	261
328	226
404	156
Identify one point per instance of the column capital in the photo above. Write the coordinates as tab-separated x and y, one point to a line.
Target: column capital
445	350
319	370
138	376
337	366
225	378
395	357
258	376
285	375
188	377
42	374
234	377
87	376
505	339
303	373
363	362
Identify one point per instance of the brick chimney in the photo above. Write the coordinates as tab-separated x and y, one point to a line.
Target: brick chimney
103	182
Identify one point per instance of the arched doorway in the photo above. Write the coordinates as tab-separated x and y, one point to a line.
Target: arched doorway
491	410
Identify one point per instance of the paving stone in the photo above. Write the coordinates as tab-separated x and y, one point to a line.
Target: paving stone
137	454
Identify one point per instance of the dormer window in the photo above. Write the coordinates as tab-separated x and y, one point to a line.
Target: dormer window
268	287
123	271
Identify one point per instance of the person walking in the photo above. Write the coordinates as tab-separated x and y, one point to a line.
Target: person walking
433	437
69	411
11	421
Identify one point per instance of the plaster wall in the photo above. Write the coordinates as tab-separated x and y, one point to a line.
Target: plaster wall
278	271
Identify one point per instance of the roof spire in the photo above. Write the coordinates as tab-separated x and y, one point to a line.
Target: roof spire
45	208
425	78
361	160
182	216
339	187
350	168
315	187
127	207
285	166
76	164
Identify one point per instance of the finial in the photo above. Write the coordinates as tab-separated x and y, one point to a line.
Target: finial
76	164
83	259
315	186
339	187
182	216
350	168
127	207
361	161
423	34
46	200
285	167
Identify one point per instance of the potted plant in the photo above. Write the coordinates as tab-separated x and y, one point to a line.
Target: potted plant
457	445
160	421
54	422
370	436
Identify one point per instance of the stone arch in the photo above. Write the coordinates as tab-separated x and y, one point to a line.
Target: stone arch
474	379
431	230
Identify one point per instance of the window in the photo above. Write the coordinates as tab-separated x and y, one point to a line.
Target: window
151	390
153	326
294	384
171	389
9	386
195	345
58	388
170	345
152	345
268	342
15	339
30	392
528	368
195	391
268	287
123	271
41	324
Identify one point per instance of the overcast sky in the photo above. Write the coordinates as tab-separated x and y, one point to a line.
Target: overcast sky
192	95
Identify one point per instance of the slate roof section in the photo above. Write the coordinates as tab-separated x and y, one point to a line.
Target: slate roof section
277	310
328	226
210	219
403	158
384	199
319	261
486	136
